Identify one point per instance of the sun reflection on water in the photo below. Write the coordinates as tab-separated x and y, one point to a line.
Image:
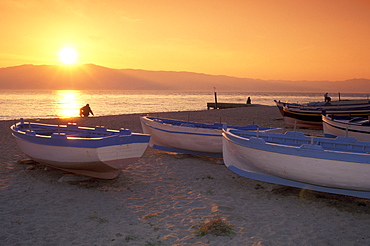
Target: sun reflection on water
68	103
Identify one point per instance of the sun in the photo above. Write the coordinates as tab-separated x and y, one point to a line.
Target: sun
68	55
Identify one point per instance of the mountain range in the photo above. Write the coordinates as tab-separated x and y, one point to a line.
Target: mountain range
94	77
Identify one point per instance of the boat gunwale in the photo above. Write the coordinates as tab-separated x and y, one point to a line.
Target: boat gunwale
61	138
217	127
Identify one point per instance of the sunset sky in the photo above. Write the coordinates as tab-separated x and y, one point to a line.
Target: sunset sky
262	39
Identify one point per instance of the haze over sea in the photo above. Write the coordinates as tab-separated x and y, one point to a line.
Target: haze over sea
66	103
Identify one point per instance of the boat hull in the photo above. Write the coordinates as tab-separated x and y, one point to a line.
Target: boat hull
346	128
304	167
308	121
185	137
101	157
180	139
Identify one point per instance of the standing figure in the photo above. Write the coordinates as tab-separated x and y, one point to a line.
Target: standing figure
249	100
85	111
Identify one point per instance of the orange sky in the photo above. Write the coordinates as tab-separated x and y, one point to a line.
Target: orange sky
264	39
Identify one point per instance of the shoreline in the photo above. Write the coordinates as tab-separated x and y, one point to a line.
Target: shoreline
159	199
269	117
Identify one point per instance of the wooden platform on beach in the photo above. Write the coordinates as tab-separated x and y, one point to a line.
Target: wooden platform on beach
227	105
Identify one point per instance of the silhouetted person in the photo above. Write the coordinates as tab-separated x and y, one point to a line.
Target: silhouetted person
249	100
85	111
326	97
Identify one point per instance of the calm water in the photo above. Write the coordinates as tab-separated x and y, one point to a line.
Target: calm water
66	103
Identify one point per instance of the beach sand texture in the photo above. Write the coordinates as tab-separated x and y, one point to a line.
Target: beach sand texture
159	199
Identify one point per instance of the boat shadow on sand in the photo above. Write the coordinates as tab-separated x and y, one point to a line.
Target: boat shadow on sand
353	205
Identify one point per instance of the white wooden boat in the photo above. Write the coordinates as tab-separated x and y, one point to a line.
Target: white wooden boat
340	165
189	137
357	127
309	115
332	105
95	152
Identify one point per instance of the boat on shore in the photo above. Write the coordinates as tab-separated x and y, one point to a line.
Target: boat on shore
345	126
323	105
339	166
309	115
95	152
190	137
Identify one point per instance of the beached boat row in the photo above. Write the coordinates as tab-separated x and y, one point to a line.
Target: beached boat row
102	153
309	115
338	165
348	118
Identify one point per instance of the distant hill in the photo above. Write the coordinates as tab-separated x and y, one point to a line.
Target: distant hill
93	77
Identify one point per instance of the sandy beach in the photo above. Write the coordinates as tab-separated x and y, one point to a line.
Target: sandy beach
159	199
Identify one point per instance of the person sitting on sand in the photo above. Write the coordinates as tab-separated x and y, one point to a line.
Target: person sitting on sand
249	100
85	111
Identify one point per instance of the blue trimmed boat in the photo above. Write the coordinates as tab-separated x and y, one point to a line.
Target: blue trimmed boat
96	152
340	165
190	137
309	115
357	127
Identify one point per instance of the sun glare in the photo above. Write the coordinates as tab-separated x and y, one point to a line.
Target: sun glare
68	102
68	55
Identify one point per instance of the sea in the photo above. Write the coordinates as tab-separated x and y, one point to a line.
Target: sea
32	104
